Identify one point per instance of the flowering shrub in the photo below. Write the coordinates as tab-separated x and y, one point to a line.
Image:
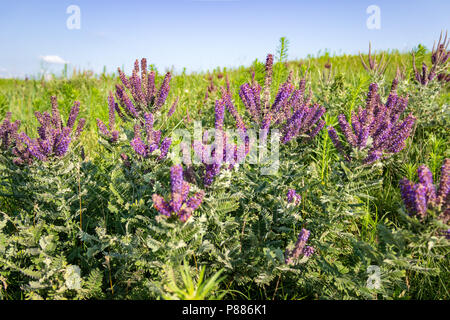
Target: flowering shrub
377	129
107	226
144	95
291	108
54	138
222	153
439	60
374	67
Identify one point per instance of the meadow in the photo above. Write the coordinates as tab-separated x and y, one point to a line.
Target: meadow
96	204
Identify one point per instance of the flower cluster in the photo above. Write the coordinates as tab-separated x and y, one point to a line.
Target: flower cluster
293	197
373	66
152	140
111	134
376	128
304	121
144	96
300	248
54	138
291	107
420	197
439	59
180	204
222	152
8	132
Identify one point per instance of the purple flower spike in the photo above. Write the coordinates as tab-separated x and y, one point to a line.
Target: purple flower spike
138	146
299	247
176	178
220	113
408	195
196	200
161	205
335	139
102	127
179	205
420	197
346	129
426	179
165	148
8	132
420	200
317	129
174	106
308	251
444	185
73	114
373	156
163	91
292	196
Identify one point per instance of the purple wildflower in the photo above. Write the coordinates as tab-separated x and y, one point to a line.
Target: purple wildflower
420	200
308	251
426	179
73	114
161	205
422	196
195	201
335	139
179	203
408	195
8	132
53	140
138	146
267	82
173	107
165	144
163	91
346	129
292	196
219	114
444	186
176	178
299	247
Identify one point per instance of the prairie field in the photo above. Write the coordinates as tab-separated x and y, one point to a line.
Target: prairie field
332	180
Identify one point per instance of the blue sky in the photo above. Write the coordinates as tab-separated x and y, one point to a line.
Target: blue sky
203	34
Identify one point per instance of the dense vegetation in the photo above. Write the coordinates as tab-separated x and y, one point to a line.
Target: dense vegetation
95	205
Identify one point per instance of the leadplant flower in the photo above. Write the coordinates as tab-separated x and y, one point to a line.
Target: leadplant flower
376	129
439	64
54	138
423	196
293	197
152	141
291	109
110	133
137	95
8	132
223	153
300	248
180	204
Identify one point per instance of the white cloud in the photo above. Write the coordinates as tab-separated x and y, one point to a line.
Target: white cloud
53	59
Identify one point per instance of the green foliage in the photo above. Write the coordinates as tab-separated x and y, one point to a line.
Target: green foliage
84	227
200	289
